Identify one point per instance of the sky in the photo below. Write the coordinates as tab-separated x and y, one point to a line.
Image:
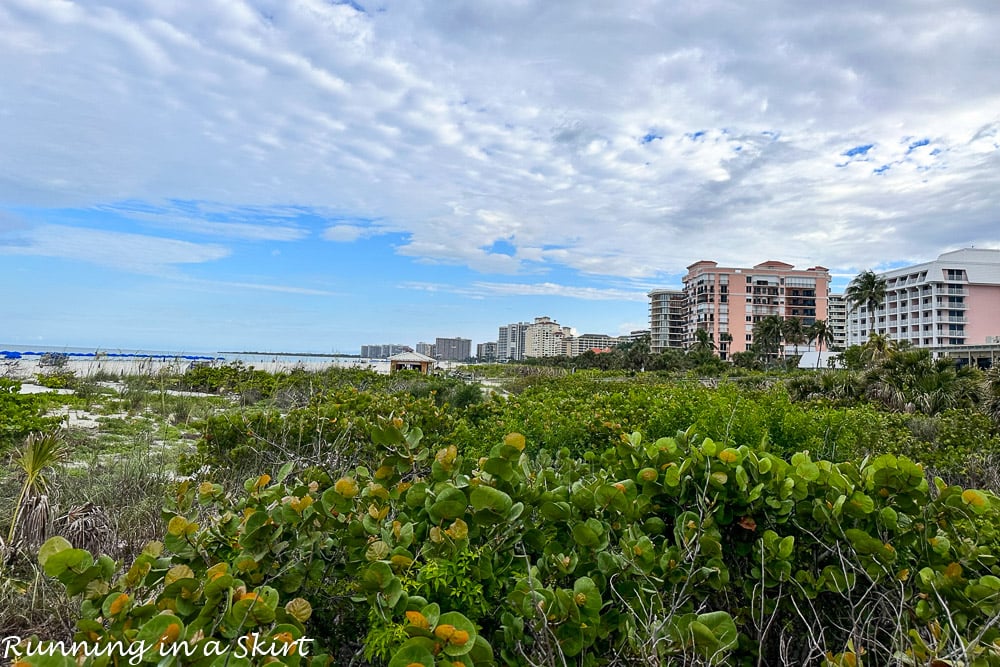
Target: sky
311	175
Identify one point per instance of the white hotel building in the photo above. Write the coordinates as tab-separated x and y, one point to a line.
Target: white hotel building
954	300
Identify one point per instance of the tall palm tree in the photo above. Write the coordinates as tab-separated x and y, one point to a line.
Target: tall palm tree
867	289
821	332
793	332
767	334
724	339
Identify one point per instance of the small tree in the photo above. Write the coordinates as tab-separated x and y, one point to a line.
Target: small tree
39	453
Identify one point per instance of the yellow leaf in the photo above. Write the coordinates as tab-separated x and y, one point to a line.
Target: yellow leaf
119	604
346	487
515	440
176	573
299	609
177	525
417	620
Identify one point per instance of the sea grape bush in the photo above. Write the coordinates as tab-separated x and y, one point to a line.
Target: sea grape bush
585	413
678	550
21	414
337	421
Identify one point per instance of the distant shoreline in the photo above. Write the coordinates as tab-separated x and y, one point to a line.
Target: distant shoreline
292	354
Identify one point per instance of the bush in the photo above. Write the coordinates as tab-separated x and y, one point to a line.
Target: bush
680	550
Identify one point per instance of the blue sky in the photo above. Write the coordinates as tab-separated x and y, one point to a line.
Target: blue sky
313	176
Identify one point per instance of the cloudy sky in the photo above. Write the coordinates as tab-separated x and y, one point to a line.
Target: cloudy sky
310	175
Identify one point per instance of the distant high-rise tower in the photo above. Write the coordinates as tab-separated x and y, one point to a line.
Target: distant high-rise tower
510	341
544	338
667	320
453	349
486	352
836	318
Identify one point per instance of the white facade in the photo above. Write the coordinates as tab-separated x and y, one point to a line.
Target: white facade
544	338
954	300
668	315
836	319
576	345
510	341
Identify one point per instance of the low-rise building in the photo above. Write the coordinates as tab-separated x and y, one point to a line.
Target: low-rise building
577	345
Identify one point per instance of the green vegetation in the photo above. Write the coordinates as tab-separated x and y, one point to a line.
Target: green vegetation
551	517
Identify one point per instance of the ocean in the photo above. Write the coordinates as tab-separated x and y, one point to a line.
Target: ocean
249	358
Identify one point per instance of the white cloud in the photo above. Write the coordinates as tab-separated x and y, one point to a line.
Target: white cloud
481	290
345	233
203	221
131	252
463	124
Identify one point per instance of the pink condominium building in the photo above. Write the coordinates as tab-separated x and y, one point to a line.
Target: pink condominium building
954	300
727	302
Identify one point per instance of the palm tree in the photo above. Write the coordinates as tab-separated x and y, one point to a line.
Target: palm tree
767	334
793	331
867	289
878	349
704	344
991	394
821	332
724	347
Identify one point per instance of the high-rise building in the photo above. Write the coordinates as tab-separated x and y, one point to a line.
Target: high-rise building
953	300
544	338
836	319
486	352
727	302
667	320
426	349
383	351
452	349
510	341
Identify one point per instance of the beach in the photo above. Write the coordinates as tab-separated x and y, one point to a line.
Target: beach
29	367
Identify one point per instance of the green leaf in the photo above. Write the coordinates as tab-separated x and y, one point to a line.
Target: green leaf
68	560
415	650
488	498
585	536
786	546
52	546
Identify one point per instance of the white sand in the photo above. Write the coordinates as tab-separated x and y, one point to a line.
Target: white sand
27	368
